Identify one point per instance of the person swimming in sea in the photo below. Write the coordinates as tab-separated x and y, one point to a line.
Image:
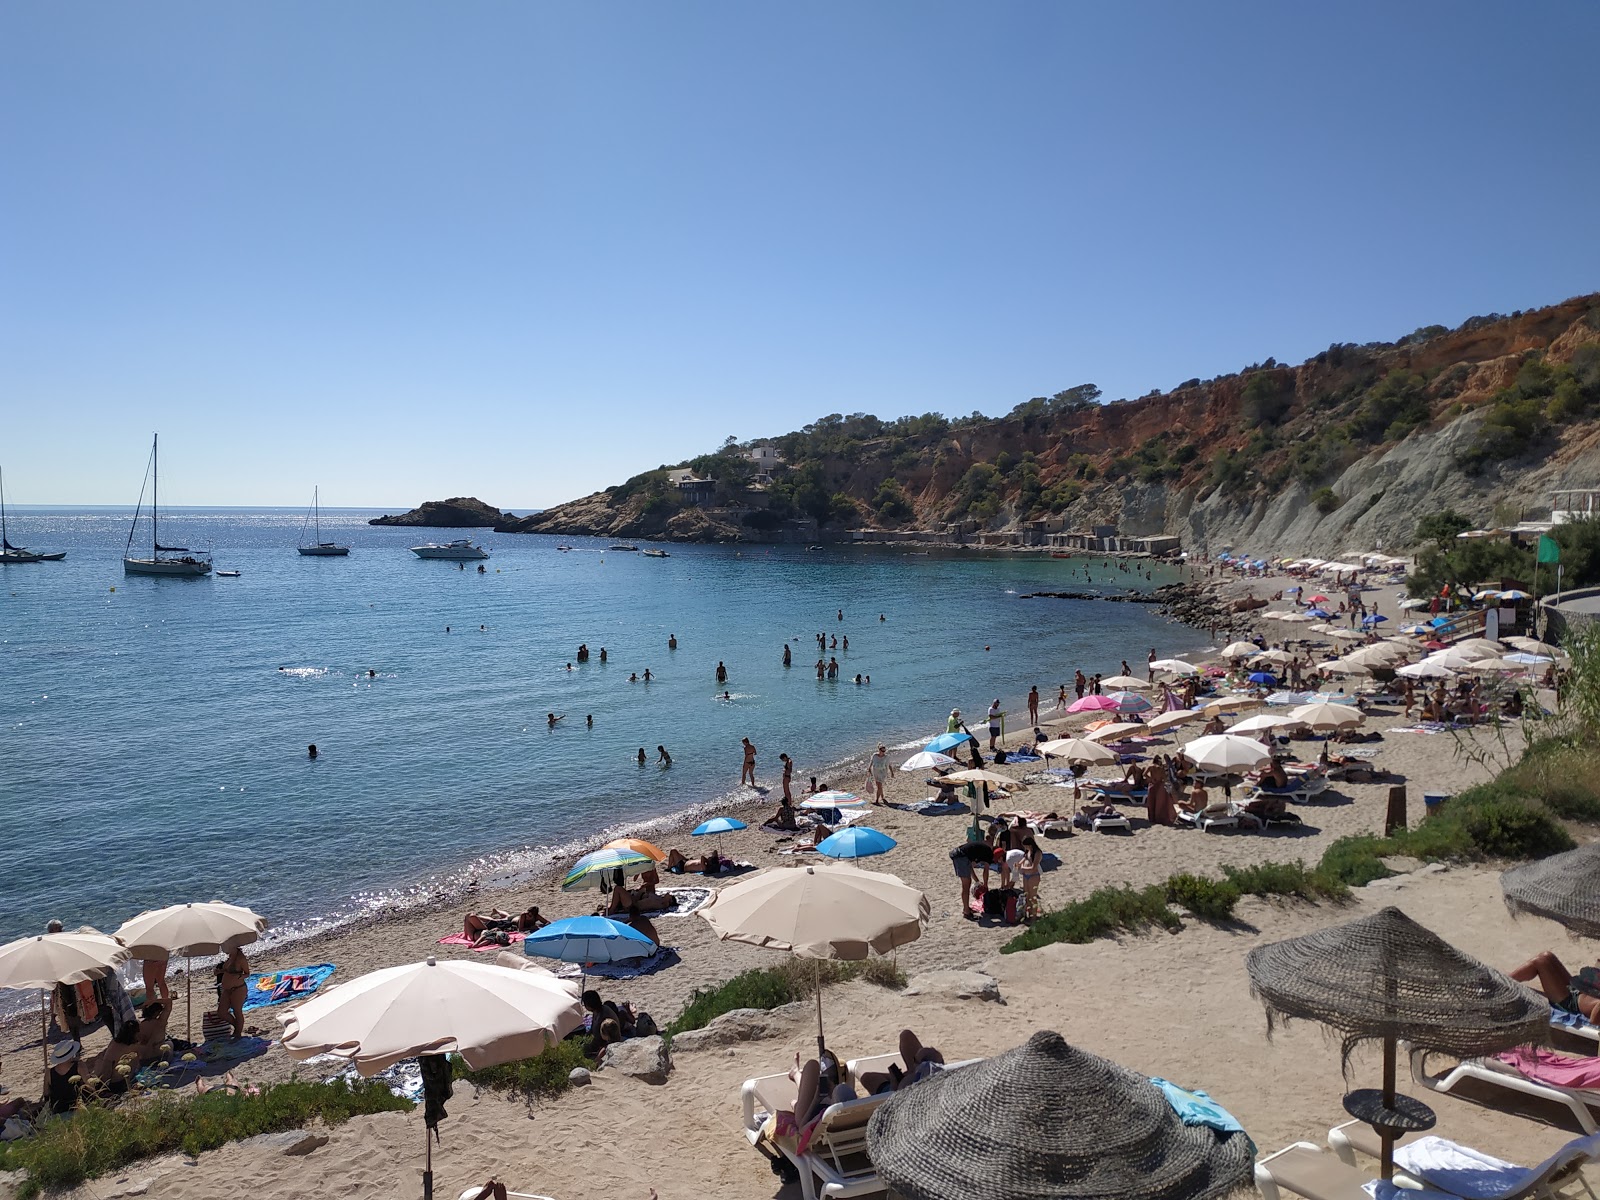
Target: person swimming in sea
722	672
647	676
642	758
311	750
371	674
552	719
602	654
589	720
672	641
634	678
786	658
662	757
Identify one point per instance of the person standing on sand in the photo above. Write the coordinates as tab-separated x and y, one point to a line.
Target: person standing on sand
1150	669
748	774
994	723
879	770
1079	682
1095	684
1061	699
963	858
953	725
788	774
1033	705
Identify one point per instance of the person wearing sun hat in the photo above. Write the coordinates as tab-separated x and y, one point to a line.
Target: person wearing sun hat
953	725
61	1084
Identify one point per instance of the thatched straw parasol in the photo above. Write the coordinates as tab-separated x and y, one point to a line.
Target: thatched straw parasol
1386	978
1052	1122
1563	887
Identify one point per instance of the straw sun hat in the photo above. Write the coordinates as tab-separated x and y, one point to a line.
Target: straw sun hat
64	1051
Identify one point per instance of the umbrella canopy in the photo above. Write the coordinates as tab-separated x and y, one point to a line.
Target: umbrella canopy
1342	666
1264	678
856	841
1479	647
488	1014
924	760
819	911
1167	720
947	741
1093	703
1328	716
1379	654
718	825
1453	659
1515	594
1231	704
1174	666
638	846
1384	976
1531	644
593	870
1425	670
1080	750
1131	702
1227	752
832	799
1564	887
588	940
1523	659
1372	619
1048	1121
1264	722
1122	683
1318	614
1319	598
1112	732
208	927
46	959
1272	656
1289	698
1240	650
978	775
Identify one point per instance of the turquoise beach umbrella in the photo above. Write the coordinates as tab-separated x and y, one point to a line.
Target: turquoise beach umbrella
588	940
947	741
719	825
592	870
856	842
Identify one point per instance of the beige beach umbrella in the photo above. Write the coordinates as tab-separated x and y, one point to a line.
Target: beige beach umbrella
1480	648
1425	670
1342	666
1296	618
1174	666
1453	659
1111	733
1168	720
1123	683
1224	753
1077	750
1328	716
202	927
1345	635
1240	650
1265	721
978	775
486	1013
1272	656
1530	645
1231	704
1379	654
819	911
1486	666
46	959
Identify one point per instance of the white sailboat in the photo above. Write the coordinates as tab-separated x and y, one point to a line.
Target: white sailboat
18	554
317	548
163	560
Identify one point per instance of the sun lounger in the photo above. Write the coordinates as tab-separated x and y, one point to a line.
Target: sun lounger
1307	1170
1578	1101
1215	816
855	1068
835	1162
1357	1137
1298	792
1110	824
1459	1170
473	1191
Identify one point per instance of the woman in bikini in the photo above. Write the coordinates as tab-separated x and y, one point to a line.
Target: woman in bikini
231	977
1032	867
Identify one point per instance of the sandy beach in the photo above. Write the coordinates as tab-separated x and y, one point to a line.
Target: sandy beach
1177	1006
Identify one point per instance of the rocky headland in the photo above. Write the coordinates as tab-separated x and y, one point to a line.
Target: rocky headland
460	512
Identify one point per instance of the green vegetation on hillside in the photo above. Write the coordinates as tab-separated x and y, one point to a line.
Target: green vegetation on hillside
1443	558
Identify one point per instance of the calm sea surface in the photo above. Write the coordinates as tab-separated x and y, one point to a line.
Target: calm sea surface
152	751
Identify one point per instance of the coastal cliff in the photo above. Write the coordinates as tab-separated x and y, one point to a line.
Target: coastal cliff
1349	448
461	512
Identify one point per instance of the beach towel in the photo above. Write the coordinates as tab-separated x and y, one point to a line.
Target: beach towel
216	1057
1471	1174
1547	1066
664	957
1197	1108
689	900
1022	756
461	939
276	987
404	1079
934	808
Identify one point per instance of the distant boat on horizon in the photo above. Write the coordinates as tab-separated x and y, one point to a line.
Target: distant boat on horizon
19	554
460	550
188	563
317	548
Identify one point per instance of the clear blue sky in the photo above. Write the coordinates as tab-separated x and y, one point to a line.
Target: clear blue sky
522	250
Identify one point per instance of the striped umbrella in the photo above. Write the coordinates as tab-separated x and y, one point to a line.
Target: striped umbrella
594	870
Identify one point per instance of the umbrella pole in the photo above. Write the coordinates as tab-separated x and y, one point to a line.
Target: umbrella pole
427	1164
188	978
44	1027
1387	1135
816	975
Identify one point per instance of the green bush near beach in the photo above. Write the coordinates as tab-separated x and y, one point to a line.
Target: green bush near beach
1208	899
95	1141
530	1077
773	987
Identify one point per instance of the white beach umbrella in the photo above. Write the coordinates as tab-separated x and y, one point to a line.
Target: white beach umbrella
1455	660
1277	614
978	775
1240	650
1122	683
1378	654
1346	635
1227	753
1531	645
199	927
1426	669
1174	666
1271	656
1328	716
819	911
1342	666
1297	618
1111	733
1487	666
1167	720
1264	721
924	760
1479	647
46	959
1230	704
1337	567
1524	659
1077	750
1410	604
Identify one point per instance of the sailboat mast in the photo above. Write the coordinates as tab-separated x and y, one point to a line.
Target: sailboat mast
4	543
316	513
155	494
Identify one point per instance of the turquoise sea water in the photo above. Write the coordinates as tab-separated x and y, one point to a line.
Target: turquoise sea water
152	751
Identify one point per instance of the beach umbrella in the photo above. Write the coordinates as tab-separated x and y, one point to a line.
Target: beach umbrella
1240	650
1564	887
1318	614
1093	703
1174	666
1372	619
1479	647
818	911
1122	683
1454	659
595	870
1230	704
856	841
1515	594
1294	617
1264	678
209	927
1114	732
1385	978
1131	702
1410	605
1167	720
1227	753
638	846
924	760
1264	722
947	741
1378	654
718	826
978	775
1319	598
1272	656
1278	698
1344	635
1343	666
487	1013
1078	750
588	940
832	799
1524	659
1531	644
46	959
1328	716
1048	1121
1425	670
1278	615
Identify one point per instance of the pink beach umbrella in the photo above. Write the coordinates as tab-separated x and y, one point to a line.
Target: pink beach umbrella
1093	704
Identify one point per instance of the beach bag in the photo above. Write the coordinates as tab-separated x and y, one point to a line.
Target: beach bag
1001	903
1000	756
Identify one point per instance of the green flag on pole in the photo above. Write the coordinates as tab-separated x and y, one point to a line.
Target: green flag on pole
1549	550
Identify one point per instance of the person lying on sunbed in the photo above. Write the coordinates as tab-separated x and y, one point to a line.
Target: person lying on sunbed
624	907
474	924
1197	800
920	1062
1579	994
1275	776
818	1083
1133	780
677	864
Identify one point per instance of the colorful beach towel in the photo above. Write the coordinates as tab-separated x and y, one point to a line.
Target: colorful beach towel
404	1079
664	957
216	1057
689	900
461	939
276	987
1549	1066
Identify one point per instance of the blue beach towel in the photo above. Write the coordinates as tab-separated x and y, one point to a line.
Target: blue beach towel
1197	1108
276	987
216	1057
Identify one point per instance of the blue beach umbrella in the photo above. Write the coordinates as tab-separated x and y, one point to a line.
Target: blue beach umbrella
947	741
1263	678
586	940
1373	619
718	825
855	842
1321	614
593	870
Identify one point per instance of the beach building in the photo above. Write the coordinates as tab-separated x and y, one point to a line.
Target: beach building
690	487
765	459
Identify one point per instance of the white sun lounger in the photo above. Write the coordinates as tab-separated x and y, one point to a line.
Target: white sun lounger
1214	817
835	1164
1304	1169
1107	824
1578	1101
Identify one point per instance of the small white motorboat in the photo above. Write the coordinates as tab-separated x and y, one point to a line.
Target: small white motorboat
460	550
